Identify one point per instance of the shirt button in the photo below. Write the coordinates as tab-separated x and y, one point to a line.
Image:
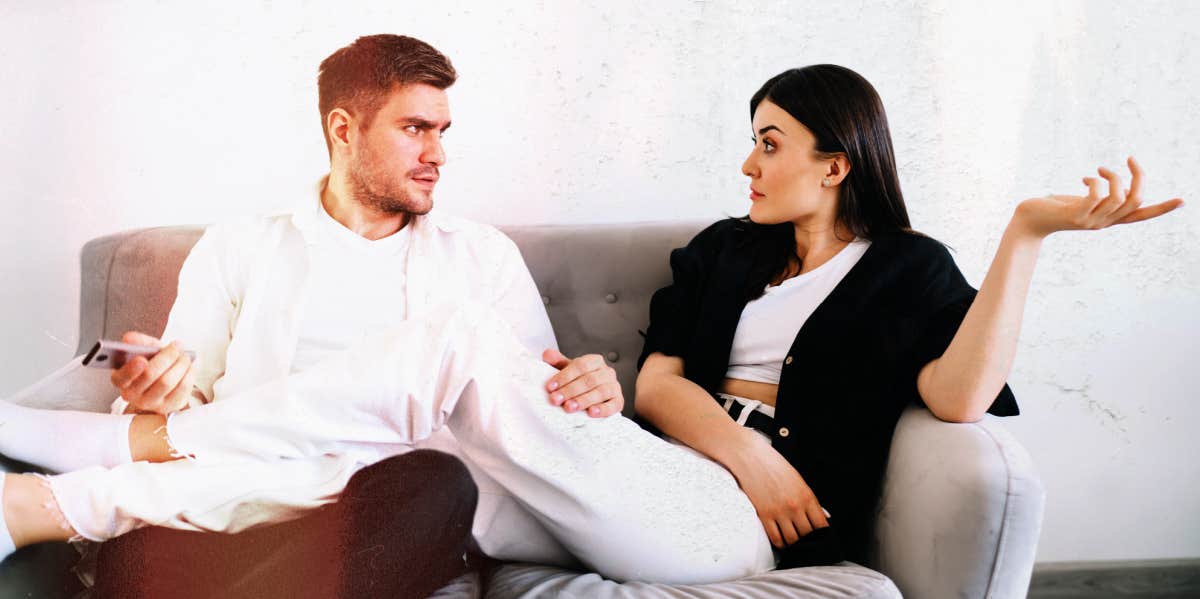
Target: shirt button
787	360
611	298
783	431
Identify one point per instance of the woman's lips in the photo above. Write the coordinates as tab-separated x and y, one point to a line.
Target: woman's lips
754	195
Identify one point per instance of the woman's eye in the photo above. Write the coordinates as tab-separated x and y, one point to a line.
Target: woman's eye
768	146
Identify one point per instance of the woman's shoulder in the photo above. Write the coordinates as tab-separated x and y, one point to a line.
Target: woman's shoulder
923	265
711	241
915	262
911	240
738	233
721	232
914	249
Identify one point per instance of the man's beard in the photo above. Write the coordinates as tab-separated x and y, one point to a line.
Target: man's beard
377	191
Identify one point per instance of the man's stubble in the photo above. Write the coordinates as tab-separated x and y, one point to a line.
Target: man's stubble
377	189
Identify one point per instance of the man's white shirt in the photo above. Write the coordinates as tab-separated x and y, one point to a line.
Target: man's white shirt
245	290
243	306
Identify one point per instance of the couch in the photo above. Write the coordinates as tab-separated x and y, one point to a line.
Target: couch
961	507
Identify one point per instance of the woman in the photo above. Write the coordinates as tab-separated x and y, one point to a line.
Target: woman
622	501
821	315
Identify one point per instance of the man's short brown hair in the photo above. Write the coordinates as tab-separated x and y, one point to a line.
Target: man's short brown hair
359	77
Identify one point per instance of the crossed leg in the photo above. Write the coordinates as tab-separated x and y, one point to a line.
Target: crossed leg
626	503
399	529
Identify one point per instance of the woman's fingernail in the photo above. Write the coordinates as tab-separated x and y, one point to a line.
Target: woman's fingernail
553	385
572	406
557	398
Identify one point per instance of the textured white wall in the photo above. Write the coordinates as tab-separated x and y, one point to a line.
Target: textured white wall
125	114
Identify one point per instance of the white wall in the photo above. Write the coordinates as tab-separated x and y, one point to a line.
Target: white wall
126	114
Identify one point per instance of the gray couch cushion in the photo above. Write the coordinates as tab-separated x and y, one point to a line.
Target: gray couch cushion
467	586
597	281
524	581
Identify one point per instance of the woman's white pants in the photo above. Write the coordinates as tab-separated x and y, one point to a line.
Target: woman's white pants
623	502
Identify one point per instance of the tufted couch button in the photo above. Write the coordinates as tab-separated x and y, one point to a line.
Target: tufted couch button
612	356
611	298
545	300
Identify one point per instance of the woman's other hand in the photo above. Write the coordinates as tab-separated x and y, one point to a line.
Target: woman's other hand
786	506
1097	210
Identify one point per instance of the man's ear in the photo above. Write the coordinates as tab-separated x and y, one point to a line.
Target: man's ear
337	122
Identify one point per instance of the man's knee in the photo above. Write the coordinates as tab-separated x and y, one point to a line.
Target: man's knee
421	472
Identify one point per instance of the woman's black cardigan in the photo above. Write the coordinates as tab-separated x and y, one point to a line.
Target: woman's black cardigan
851	369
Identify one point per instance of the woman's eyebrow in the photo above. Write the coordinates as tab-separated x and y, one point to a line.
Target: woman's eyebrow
770	128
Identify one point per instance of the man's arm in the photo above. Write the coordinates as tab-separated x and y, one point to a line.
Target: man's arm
201	320
584	383
515	296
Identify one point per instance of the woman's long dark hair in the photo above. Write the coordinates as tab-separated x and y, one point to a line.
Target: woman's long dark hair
845	115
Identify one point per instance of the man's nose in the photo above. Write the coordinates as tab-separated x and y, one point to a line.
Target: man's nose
433	153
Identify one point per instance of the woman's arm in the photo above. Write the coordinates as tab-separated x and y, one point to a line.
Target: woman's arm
786	506
686	412
961	384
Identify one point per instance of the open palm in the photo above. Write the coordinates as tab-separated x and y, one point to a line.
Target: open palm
1096	210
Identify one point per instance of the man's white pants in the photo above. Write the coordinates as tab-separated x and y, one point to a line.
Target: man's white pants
625	503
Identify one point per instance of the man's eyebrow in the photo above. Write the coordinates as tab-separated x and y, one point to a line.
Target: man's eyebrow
764	130
421	123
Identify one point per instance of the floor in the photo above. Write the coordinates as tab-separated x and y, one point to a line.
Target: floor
1118	580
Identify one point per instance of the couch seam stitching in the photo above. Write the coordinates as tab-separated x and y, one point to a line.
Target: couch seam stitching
1004	522
112	259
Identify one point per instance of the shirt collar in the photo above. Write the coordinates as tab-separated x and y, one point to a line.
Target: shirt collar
305	217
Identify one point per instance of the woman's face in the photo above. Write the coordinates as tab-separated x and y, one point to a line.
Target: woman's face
785	171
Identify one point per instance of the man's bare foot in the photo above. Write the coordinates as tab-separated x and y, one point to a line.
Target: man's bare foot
31	512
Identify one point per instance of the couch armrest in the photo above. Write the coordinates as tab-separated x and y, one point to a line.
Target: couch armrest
961	509
72	387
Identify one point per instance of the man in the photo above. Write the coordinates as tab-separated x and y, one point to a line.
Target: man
555	485
267	298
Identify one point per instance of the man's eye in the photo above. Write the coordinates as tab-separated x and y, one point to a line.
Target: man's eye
412	129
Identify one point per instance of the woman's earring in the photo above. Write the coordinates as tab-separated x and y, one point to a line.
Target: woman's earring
825	182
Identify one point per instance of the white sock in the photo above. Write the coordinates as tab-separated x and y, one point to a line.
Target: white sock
62	440
6	542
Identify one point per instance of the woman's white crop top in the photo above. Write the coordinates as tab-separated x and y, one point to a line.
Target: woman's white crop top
769	324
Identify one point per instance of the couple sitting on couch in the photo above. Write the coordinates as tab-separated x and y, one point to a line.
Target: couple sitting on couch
334	346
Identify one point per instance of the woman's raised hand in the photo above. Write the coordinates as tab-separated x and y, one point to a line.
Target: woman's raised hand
1097	210
785	504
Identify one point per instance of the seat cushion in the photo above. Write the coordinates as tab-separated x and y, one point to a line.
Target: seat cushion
525	581
467	586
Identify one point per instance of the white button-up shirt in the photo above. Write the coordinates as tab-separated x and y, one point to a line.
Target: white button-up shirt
242	288
240	307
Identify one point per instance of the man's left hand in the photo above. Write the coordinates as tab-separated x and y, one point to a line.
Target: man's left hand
585	383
